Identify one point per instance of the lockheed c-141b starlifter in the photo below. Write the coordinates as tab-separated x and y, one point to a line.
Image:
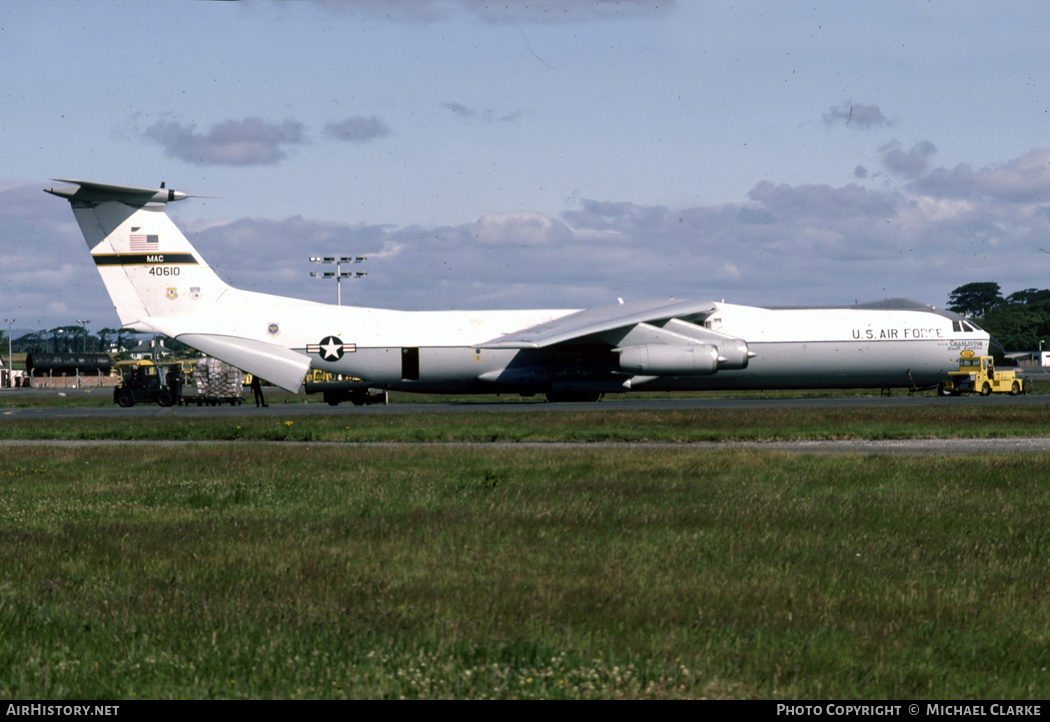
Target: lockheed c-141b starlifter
159	283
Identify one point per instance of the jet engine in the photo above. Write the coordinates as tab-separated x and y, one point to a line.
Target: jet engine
733	353
669	360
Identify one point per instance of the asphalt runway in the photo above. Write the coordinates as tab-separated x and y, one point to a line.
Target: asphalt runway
312	405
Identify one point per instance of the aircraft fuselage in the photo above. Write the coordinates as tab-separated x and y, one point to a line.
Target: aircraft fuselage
443	352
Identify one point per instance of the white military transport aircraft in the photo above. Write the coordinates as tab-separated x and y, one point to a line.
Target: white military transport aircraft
160	284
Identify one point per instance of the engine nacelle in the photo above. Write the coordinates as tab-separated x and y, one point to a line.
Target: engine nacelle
669	359
734	354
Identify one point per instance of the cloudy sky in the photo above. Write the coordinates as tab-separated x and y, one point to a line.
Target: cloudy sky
521	154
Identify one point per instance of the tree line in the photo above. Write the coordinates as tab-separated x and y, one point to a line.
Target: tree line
72	339
1020	321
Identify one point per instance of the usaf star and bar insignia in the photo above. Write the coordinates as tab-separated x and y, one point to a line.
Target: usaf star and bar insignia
331	348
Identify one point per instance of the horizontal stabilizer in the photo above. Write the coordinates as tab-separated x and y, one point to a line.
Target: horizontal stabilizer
91	192
278	365
599	320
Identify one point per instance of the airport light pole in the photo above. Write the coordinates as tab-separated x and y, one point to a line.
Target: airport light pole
339	274
10	358
83	325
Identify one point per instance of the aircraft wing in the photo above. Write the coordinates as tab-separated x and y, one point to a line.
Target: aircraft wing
598	320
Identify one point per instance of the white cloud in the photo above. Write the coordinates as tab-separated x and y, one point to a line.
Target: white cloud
357	129
1023	179
507	11
856	116
485	115
911	163
525	228
252	141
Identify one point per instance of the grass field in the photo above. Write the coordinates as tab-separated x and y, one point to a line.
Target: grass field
554	423
311	570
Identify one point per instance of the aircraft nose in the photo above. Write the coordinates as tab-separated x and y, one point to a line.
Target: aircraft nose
995	349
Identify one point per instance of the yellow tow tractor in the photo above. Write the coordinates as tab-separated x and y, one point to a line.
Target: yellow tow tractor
977	374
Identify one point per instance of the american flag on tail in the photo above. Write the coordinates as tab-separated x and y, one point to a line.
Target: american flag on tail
144	242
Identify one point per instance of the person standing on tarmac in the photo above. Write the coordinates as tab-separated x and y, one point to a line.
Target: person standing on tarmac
257	392
175	381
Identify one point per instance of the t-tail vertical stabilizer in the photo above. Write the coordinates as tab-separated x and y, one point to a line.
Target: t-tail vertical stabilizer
160	284
139	252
